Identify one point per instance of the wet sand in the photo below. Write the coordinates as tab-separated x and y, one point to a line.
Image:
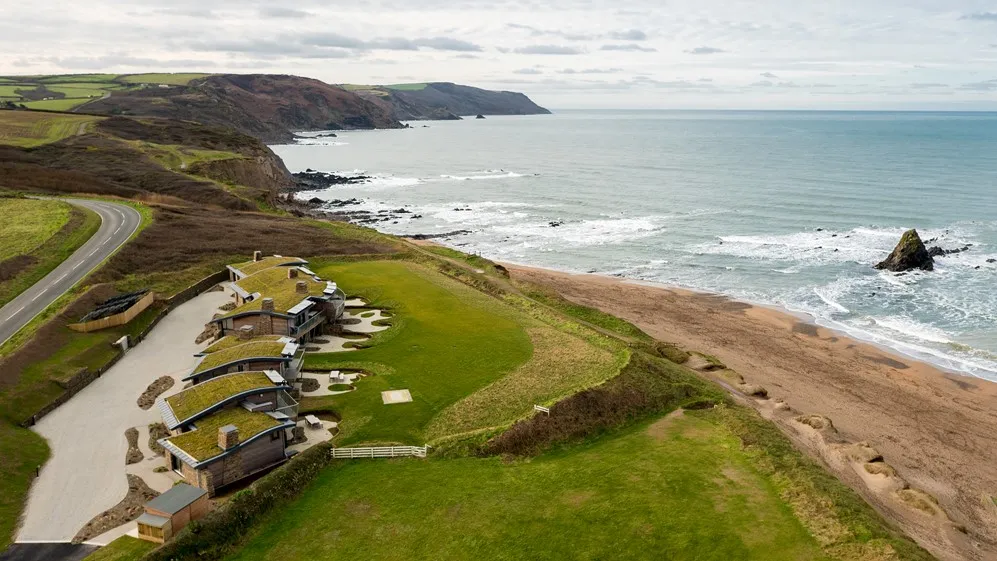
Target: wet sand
936	431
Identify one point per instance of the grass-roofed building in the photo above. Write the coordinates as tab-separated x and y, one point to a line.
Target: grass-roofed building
244	353
240	271
290	301
228	428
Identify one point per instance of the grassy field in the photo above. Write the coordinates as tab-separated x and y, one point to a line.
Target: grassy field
677	488
125	548
470	361
407	87
21	452
20	128
174	157
45	235
65	104
36	222
169	79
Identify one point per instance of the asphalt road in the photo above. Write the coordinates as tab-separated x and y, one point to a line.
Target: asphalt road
118	223
46	552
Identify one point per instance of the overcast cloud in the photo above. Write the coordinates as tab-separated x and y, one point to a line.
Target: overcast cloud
902	54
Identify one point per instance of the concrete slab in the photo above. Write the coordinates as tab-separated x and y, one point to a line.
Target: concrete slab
314	435
86	473
396	396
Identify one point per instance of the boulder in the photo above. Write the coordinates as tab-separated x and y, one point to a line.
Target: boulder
909	254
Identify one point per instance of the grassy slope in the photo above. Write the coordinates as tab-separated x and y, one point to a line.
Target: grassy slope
36	222
125	548
680	488
448	342
79	226
25	129
21	452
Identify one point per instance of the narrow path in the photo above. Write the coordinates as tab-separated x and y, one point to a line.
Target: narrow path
118	223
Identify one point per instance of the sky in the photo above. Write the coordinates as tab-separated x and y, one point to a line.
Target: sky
711	54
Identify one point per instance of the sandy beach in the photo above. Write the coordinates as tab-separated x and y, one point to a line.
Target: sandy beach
919	443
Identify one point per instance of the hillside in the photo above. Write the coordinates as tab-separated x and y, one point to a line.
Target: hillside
269	107
445	100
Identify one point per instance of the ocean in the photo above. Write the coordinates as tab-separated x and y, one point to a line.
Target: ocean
789	209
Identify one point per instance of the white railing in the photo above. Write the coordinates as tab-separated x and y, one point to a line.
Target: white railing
541	409
381	452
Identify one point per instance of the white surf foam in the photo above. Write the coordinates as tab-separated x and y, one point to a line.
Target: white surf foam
484	174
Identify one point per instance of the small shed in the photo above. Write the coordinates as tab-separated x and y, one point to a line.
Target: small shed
170	512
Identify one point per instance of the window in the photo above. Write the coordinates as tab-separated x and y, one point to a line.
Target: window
275	435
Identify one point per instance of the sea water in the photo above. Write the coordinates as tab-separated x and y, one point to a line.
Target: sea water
782	208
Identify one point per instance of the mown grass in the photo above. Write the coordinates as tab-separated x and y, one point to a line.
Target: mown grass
21	452
80	225
678	488
125	548
27	129
448	341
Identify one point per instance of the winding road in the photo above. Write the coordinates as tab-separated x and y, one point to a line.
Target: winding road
118	223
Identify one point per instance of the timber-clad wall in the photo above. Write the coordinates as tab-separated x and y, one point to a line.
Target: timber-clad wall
260	454
85	377
116	320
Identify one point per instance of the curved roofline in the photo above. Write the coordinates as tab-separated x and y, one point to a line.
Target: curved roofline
219	405
281	358
194	463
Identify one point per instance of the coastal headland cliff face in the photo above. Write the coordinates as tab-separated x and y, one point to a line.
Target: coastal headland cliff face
274	107
445	100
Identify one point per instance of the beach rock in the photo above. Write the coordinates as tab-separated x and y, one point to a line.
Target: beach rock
437	236
480	117
939	252
909	254
556	223
991	260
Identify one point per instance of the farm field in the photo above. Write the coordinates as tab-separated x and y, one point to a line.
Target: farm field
456	350
679	487
67	92
27	130
181	79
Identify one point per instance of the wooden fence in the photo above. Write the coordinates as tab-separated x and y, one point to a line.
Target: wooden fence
541	409
117	319
380	452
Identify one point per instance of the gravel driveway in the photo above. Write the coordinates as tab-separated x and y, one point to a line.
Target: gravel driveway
86	473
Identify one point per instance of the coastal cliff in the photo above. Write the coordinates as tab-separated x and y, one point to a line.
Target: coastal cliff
273	107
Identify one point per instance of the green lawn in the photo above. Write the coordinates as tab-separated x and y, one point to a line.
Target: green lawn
448	341
679	488
46	231
25	129
21	452
125	548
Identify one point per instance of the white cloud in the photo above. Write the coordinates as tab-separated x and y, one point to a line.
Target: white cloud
851	53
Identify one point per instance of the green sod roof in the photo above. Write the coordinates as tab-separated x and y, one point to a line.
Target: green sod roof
253	267
202	444
252	349
273	283
198	398
231	341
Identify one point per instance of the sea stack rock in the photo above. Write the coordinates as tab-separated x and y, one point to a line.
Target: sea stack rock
909	254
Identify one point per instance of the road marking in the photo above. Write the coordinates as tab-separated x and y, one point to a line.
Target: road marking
60	278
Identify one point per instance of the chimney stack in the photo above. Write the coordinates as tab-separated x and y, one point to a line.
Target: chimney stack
267	305
301	287
228	437
292	273
257	255
246	332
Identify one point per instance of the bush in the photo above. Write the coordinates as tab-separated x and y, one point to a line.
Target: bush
217	534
